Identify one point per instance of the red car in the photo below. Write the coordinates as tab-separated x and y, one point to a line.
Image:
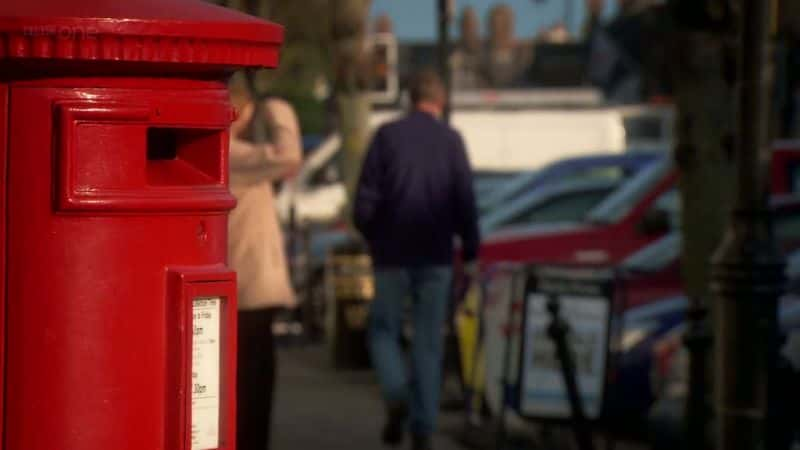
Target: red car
639	212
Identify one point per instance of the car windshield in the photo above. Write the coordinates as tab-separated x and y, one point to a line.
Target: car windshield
600	167
621	202
485	182
516	183
563	201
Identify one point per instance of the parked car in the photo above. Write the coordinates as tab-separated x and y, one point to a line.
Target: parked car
644	209
630	218
603	167
317	193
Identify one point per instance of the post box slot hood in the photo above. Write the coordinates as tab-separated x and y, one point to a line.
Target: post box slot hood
175	32
142	157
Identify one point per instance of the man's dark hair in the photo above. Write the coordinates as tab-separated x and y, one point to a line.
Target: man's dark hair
426	85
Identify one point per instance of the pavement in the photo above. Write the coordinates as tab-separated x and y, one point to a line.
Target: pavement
319	408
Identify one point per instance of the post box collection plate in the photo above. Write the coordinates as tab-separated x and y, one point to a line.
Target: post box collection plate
203	304
206	315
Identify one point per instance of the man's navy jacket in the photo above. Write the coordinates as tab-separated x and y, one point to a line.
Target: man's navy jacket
415	195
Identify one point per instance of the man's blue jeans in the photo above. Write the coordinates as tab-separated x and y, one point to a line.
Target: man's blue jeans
428	289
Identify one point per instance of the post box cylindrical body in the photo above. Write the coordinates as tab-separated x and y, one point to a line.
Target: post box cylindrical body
119	311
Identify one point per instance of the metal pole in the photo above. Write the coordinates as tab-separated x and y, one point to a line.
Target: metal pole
513	329
558	332
445	11
747	273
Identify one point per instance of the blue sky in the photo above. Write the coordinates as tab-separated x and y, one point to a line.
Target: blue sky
416	19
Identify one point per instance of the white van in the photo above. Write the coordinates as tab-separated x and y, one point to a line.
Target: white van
519	140
502	135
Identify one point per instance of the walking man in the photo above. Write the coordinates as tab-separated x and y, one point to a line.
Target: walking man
414	196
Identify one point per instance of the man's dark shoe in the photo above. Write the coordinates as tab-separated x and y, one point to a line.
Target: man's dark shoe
422	443
395	424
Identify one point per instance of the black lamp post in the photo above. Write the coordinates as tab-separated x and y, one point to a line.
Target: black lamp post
748	269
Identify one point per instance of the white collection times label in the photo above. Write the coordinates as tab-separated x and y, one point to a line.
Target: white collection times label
206	314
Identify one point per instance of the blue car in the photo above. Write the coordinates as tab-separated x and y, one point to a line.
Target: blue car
669	371
650	358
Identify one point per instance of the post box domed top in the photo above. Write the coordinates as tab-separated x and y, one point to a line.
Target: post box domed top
182	32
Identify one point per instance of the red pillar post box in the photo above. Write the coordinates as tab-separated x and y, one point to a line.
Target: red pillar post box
118	316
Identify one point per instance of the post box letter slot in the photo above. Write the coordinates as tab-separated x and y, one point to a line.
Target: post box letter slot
128	158
178	157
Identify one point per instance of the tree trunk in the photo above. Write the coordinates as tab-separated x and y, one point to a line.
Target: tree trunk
350	59
704	94
353	110
704	153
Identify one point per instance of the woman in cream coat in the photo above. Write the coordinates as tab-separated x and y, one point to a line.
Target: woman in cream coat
256	253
